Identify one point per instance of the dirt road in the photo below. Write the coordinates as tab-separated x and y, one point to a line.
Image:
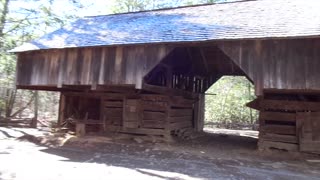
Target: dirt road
209	157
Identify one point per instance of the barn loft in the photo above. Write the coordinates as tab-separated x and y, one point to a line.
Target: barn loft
146	72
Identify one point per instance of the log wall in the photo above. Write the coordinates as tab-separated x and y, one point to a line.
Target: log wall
289	122
142	114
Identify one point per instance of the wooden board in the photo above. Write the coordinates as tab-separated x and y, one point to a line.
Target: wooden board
180	112
279	138
290	105
308	130
277	64
89	66
277	145
150	115
278	116
180	119
113	104
153	106
153	124
278	129
132	113
143	131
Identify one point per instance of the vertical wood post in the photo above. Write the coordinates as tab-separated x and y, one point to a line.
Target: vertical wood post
199	109
34	121
62	106
167	131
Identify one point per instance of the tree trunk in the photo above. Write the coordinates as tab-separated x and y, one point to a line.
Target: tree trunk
10	99
3	18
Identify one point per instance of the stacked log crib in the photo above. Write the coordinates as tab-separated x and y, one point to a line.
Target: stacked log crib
152	115
290	123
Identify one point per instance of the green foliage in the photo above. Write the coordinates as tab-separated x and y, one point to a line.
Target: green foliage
140	5
131	5
228	105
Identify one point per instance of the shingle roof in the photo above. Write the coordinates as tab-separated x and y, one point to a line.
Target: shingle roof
225	21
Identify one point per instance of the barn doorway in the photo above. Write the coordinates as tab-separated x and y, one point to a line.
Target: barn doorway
225	109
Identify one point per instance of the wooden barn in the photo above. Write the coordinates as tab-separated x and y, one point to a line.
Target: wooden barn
146	72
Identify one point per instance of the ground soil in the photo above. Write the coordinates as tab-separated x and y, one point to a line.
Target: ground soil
216	154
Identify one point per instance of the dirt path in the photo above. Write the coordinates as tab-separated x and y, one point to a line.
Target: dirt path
207	157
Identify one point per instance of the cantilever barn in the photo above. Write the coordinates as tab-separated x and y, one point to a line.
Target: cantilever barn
146	72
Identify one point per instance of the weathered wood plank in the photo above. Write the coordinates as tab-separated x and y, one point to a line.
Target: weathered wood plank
286	64
290	105
112	112
277	145
128	124
180	119
153	124
168	91
155	97
179	125
151	106
199	109
278	116
310	146
279	138
180	112
149	115
278	129
143	131
110	104
62	109
90	122
89	66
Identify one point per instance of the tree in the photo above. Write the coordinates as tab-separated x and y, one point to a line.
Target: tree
18	25
228	106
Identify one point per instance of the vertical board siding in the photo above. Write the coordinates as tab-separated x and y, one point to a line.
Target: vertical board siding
271	64
278	64
88	66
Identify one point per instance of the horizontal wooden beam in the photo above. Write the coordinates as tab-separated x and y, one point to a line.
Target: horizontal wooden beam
265	104
278	129
143	131
278	145
278	116
290	105
168	91
279	138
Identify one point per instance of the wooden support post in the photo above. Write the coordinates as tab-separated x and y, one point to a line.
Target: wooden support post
62	106
199	109
167	131
169	77
34	121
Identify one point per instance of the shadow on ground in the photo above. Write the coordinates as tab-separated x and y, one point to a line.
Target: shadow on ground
209	156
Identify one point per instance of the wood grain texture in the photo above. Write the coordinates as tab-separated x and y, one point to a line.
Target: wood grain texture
88	66
277	64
